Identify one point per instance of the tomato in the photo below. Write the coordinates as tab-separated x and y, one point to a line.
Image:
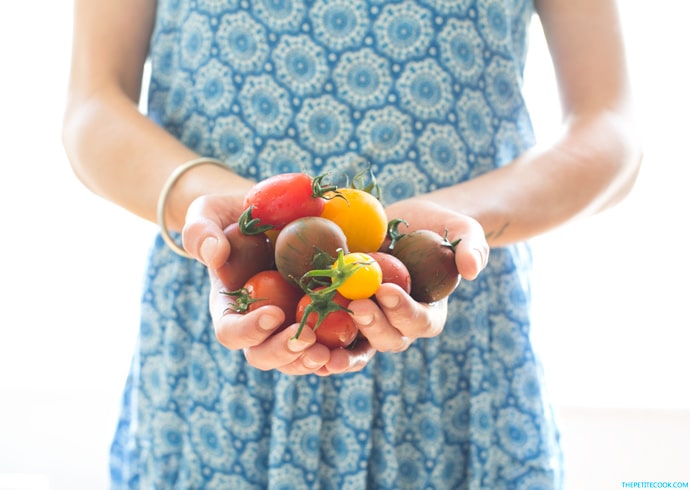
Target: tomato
393	270
307	243
360	215
337	329
272	235
430	259
282	198
270	288
249	254
364	281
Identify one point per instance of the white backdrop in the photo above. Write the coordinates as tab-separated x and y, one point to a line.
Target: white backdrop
610	293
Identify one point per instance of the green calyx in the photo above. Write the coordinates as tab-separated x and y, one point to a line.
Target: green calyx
315	284
448	243
322	304
242	300
249	225
338	274
318	189
395	235
369	184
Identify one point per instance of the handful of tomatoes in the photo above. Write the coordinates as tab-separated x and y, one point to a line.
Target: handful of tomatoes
311	248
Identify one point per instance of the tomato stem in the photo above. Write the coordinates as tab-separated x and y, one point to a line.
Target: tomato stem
322	304
450	244
393	233
249	226
318	189
372	187
322	298
338	274
242	299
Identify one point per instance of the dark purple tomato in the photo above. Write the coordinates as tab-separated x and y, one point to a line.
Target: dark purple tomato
430	259
249	254
306	244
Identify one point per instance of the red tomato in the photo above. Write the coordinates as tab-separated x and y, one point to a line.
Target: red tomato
269	288
393	270
337	329
282	198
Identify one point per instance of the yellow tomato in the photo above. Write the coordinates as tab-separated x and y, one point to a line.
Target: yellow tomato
365	280
361	216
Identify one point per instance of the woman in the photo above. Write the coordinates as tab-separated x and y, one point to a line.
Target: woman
443	395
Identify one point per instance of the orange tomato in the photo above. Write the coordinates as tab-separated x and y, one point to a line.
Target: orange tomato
360	215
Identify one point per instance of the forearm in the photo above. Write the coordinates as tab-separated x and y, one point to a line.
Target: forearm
115	150
125	157
594	164
590	168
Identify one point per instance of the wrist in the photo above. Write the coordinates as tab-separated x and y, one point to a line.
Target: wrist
190	180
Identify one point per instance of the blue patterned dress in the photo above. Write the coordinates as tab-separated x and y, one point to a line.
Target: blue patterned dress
428	91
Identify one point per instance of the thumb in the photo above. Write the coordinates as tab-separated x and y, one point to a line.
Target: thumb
203	236
472	253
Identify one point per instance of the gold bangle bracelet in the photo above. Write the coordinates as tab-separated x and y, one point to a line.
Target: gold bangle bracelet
163	197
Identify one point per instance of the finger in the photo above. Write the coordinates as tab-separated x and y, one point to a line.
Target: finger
240	330
382	336
400	320
472	252
206	242
412	319
348	360
376	326
202	234
289	354
313	360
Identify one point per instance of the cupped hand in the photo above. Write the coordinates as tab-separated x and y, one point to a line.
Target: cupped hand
203	234
265	346
388	323
471	252
394	320
256	333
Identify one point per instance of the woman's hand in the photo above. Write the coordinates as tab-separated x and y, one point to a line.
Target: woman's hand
395	320
389	324
255	333
266	347
471	253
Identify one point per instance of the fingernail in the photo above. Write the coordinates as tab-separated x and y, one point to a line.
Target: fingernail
267	322
208	249
297	345
389	301
364	320
479	258
310	363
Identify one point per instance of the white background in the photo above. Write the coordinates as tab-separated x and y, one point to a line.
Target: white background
611	293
